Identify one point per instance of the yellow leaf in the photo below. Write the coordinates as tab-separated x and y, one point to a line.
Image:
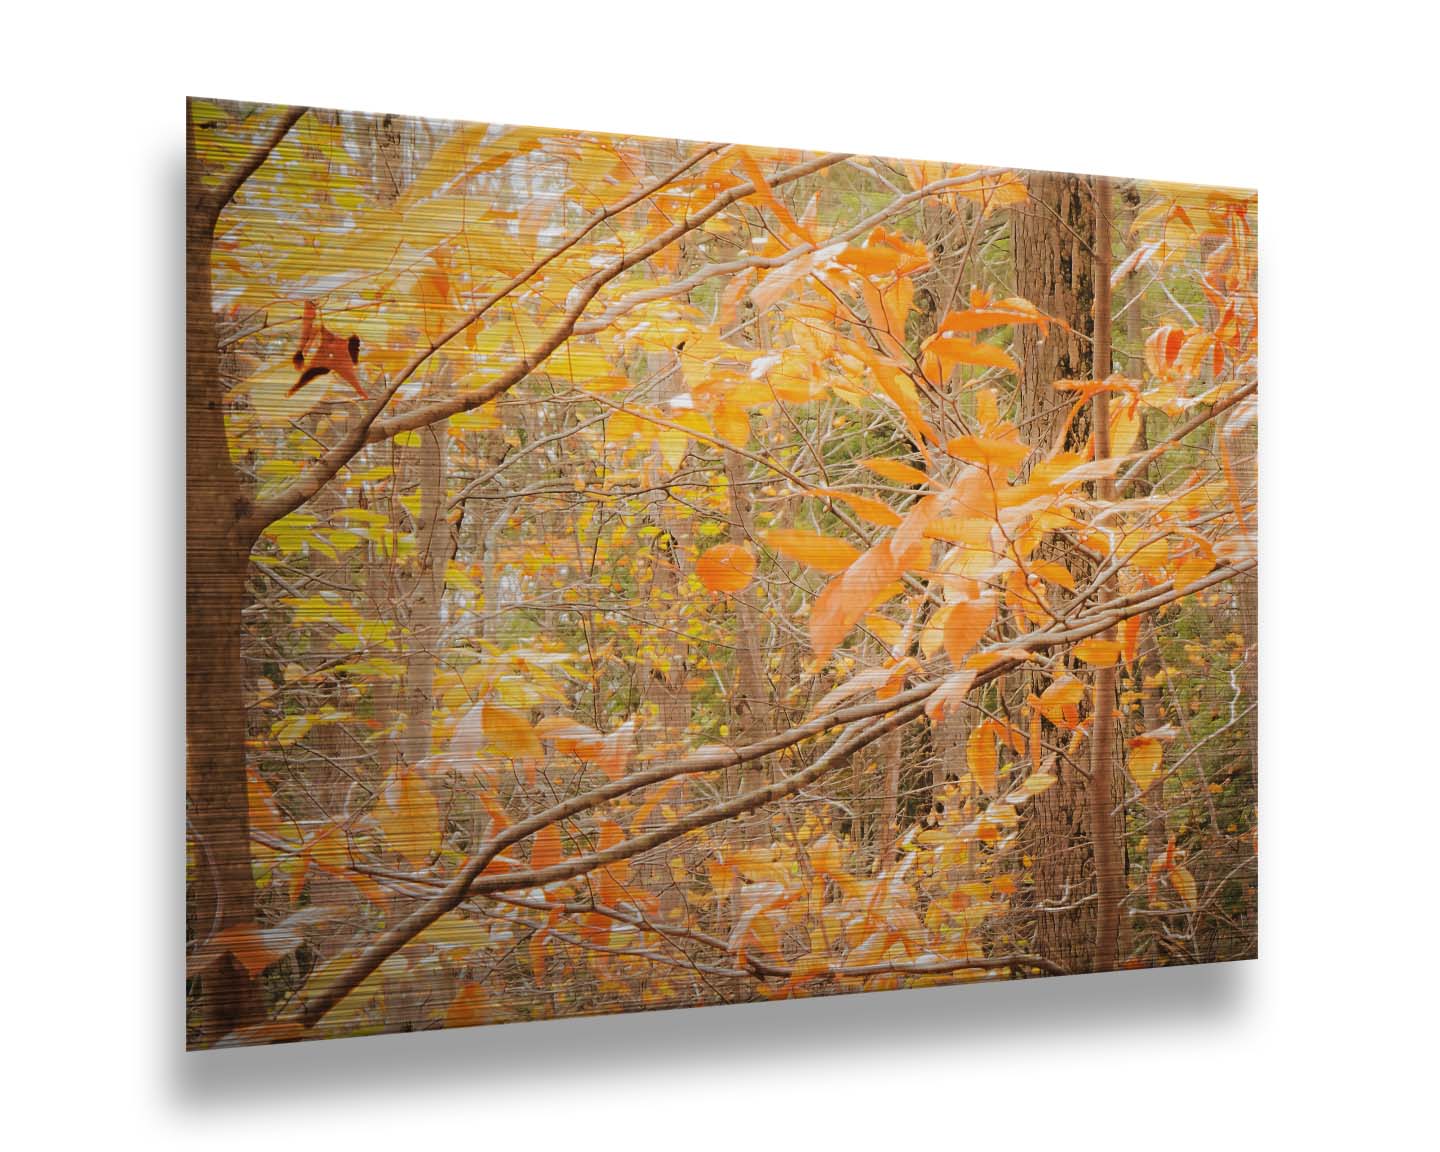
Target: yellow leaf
1153	556
887	631
982	758
674	443
1035	784
726	568
1184	884
1126	422
1192	570
409	815
1097	652
988	452
1144	762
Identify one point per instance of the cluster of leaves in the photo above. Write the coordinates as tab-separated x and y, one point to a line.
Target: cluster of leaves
712	488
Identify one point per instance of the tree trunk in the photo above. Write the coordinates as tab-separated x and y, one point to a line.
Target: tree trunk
1053	239
434	546
1107	827
221	885
889	751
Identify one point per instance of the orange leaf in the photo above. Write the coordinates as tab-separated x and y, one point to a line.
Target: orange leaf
1097	652
1015	310
1191	570
965	624
894	470
409	814
1162	347
1130	639
1055	573
766	194
868	582
988	452
1064	694
469	1007
827	553
547	849
726	568
614	750
879	261
255	947
952	350
570	736
951	691
875	511
509	731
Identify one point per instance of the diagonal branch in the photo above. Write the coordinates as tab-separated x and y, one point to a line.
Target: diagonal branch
465	883
213	202
369	429
619	307
902	708
1185	429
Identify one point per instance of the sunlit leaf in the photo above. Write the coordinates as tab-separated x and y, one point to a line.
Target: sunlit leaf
509	731
1184	884
988	452
966	623
894	470
1144	760
409	814
826	553
1097	652
982	758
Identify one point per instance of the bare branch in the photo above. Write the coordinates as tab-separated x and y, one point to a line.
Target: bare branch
368	430
213	202
903	708
1185	429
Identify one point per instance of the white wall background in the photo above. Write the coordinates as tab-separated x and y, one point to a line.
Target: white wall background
1329	110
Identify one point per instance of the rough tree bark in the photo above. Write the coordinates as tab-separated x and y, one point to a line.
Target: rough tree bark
434	546
1106	818
221	886
1052	242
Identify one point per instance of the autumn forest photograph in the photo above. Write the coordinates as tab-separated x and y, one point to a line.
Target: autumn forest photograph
626	573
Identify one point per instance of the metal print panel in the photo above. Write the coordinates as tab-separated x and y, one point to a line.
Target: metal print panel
630	573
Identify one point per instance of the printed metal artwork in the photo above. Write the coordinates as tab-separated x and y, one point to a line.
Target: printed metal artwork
630	573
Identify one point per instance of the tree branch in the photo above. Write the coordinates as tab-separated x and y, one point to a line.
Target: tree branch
1184	430
466	884
619	307
368	431
214	201
903	708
